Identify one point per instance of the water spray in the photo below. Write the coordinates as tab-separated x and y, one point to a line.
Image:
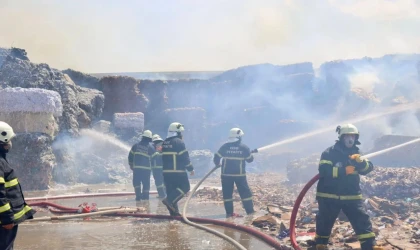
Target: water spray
316	178
355	120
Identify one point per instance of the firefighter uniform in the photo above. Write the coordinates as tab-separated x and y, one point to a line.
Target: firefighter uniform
176	161
235	155
13	208
157	173
338	189
139	160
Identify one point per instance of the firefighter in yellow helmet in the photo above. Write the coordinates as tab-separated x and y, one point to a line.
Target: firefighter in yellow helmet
157	166
139	160
176	161
338	189
13	208
235	154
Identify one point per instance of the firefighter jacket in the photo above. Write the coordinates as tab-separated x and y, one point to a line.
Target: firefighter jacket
175	157
157	160
13	208
333	182
234	155
140	155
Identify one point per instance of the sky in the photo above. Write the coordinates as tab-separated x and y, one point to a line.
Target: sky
103	36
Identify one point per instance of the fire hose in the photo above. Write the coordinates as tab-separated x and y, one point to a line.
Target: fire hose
315	179
184	212
127	212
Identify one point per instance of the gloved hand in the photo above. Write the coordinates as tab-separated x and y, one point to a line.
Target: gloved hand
192	173
350	170
8	226
356	157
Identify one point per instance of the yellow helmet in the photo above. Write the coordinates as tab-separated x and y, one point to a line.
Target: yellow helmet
6	132
156	138
147	134
347	129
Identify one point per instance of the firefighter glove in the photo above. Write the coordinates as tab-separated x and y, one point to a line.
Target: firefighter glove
8	226
356	157
350	169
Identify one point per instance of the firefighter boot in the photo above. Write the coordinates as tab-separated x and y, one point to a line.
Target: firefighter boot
321	247
137	190
170	207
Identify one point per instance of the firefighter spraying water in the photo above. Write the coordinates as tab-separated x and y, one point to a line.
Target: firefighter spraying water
176	162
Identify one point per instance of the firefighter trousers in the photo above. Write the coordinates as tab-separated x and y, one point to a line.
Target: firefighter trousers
328	210
7	237
177	185
158	176
141	183
228	184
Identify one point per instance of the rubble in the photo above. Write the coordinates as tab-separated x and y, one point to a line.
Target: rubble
31	110
122	96
392	183
91	101
84	80
15	72
394	221
33	160
129	120
31	100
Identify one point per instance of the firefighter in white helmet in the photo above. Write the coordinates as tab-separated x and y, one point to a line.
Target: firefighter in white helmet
13	208
157	166
139	159
176	161
234	155
338	189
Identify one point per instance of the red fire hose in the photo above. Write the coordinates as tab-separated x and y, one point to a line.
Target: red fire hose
296	209
72	196
262	236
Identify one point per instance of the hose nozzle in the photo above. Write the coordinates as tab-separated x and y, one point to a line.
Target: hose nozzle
254	151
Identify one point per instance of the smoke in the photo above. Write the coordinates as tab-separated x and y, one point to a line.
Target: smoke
93	157
106	36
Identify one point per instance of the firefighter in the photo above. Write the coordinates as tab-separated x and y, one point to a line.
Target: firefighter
338	189
234	154
13	208
176	161
157	166
139	160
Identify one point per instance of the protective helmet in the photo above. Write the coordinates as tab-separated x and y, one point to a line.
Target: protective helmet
176	127
147	134
347	129
156	138
6	132
235	134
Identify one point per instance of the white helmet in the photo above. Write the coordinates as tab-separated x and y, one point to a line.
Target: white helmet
6	132
347	129
156	138
235	134
147	134
175	129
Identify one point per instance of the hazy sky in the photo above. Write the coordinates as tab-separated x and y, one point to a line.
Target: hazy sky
184	35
